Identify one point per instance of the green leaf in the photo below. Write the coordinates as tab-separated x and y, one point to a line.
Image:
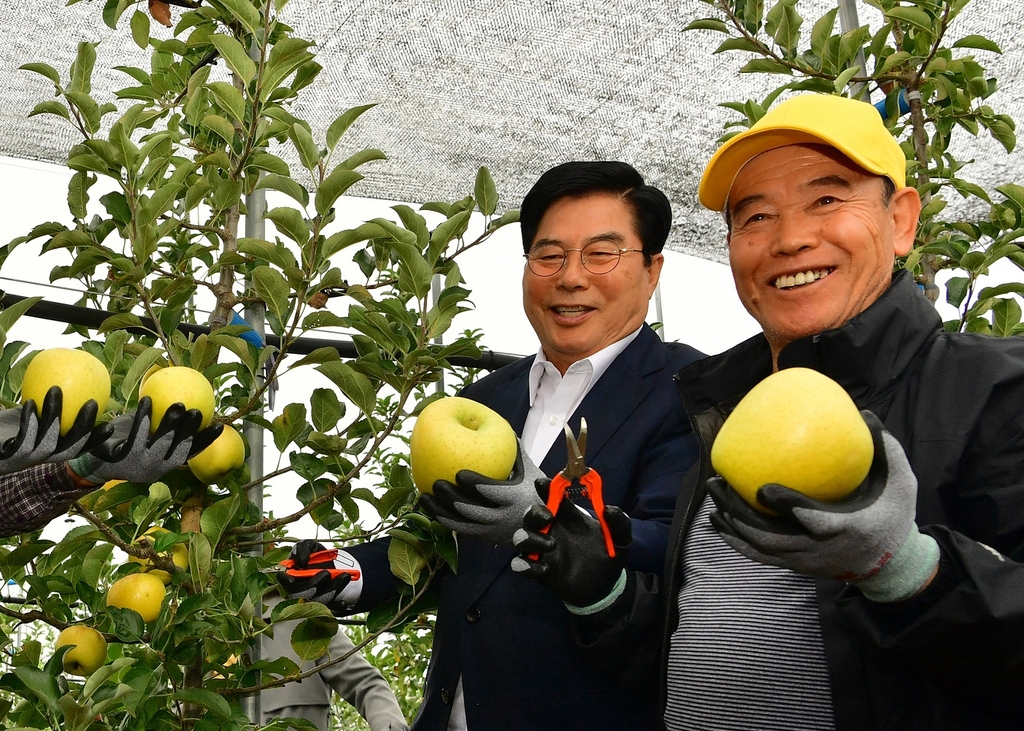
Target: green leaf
50	107
714	24
307	466
1005	317
288	54
340	125
140	29
311	637
913	16
765	66
739	44
42	685
229	98
78	193
286	185
220	126
82	67
304	144
783	24
844	78
327	354
44	69
333	187
271	163
272	288
205	698
822	31
215	519
956	290
1014	193
235	56
447	230
356	387
140	365
980	42
892	61
10	315
407	563
291	223
362	157
121	321
485	192
244	12
324	409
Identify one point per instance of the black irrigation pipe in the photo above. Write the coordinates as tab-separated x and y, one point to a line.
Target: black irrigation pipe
93	318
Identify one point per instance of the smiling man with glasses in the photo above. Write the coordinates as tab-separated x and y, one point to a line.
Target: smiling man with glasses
503	654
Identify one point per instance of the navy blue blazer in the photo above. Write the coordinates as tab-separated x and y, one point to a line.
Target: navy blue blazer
508	637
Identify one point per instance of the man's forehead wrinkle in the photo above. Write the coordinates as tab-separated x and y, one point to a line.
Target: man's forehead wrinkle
828	181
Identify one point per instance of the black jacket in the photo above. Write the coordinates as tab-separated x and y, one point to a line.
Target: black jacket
952	657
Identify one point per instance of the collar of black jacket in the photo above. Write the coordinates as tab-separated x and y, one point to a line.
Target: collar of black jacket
867	356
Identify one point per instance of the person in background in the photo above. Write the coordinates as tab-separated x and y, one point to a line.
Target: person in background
354	679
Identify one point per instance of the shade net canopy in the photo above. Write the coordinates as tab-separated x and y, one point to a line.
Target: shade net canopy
516	86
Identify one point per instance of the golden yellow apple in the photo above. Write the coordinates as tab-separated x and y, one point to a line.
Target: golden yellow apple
179	555
80	375
225	454
456	433
178	384
89	651
797	428
141	591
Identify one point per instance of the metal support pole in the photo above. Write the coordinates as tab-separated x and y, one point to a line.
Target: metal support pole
659	313
435	295
255	317
848	21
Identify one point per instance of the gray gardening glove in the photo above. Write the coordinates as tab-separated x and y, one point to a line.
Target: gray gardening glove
484	508
869	538
132	453
28	439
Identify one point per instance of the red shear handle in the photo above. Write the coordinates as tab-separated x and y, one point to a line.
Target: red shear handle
556	491
592	489
328	554
310	573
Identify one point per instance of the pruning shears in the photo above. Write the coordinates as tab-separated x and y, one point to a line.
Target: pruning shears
579	480
327	556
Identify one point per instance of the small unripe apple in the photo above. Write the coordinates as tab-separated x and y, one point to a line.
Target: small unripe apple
797	428
178	384
456	433
141	591
224	455
89	652
80	375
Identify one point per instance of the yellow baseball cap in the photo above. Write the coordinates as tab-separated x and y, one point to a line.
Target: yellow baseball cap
853	127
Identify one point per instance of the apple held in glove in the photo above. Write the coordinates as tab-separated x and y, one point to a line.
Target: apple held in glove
178	384
456	433
81	376
224	455
797	428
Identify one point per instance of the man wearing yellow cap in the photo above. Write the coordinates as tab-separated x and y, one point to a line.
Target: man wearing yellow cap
899	607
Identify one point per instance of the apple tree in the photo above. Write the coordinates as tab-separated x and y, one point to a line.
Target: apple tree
162	177
935	87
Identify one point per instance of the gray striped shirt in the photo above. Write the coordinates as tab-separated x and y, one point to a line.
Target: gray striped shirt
747	653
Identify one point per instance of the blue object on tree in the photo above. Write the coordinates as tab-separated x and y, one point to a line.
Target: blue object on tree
250	336
904	105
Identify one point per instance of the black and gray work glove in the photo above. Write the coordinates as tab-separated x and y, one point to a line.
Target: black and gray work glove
28	438
315	573
484	508
132	453
571	559
870	538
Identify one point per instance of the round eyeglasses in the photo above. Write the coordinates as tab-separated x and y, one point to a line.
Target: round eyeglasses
598	257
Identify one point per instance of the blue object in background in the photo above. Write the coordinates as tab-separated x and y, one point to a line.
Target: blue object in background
250	336
901	100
